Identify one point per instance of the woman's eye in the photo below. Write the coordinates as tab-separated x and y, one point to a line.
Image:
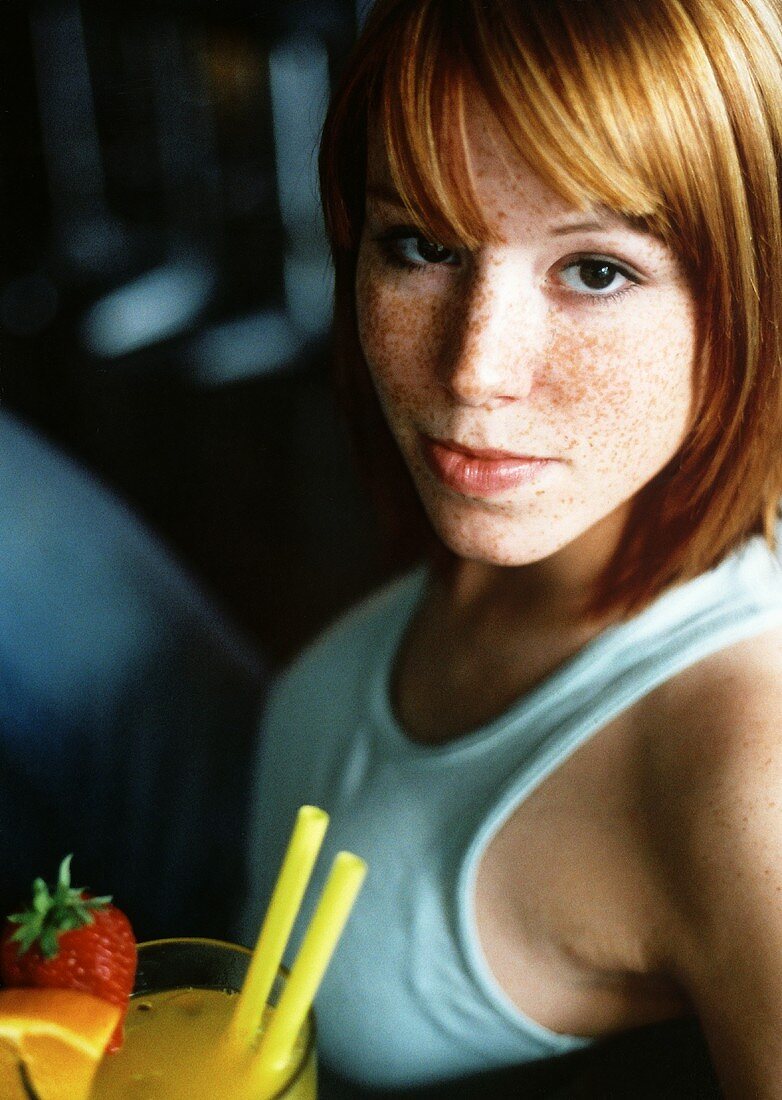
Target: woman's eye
418	251
596	277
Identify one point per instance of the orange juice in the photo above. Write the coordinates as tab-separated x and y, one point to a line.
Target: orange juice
177	1039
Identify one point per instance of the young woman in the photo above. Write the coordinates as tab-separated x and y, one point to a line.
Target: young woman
557	235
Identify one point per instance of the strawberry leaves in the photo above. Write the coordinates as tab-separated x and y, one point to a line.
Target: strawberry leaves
51	914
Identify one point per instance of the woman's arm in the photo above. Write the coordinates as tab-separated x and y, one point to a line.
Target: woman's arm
718	837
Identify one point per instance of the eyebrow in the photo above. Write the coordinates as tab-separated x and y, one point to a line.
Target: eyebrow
577	227
386	193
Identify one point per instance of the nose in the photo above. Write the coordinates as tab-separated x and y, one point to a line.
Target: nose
496	338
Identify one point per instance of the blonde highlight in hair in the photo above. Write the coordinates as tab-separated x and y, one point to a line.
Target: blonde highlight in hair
668	112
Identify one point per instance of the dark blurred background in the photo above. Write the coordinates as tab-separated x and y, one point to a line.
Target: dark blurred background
165	287
165	296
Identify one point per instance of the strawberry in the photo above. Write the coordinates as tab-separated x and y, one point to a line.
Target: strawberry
68	939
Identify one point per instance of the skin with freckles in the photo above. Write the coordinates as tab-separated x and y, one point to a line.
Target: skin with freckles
582	377
534	384
550	341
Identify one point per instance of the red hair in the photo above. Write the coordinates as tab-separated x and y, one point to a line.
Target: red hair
669	113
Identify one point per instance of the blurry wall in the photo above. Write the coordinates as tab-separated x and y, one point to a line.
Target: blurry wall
165	287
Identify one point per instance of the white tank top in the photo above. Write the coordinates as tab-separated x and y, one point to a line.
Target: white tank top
409	998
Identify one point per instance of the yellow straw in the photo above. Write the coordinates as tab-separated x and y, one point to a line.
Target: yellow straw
340	892
303	848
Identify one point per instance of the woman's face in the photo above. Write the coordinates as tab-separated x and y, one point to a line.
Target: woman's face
534	385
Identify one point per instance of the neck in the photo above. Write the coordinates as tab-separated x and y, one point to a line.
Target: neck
551	593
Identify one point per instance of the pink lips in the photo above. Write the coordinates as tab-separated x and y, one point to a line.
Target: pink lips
483	473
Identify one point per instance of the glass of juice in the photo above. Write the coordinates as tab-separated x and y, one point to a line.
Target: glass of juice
177	1032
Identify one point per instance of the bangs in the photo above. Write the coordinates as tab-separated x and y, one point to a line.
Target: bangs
577	92
666	112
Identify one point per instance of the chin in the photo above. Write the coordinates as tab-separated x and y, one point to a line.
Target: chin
501	542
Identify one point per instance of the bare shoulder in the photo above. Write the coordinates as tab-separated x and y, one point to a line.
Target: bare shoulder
719	723
712	750
713	815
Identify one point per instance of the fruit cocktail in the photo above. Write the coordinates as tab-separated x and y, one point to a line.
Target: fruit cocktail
207	1021
177	1032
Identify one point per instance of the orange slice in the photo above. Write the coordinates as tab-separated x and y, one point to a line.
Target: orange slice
51	1042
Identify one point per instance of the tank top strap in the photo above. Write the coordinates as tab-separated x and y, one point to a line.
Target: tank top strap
738	600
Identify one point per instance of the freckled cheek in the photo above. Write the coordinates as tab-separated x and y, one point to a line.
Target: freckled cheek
623	381
399	342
